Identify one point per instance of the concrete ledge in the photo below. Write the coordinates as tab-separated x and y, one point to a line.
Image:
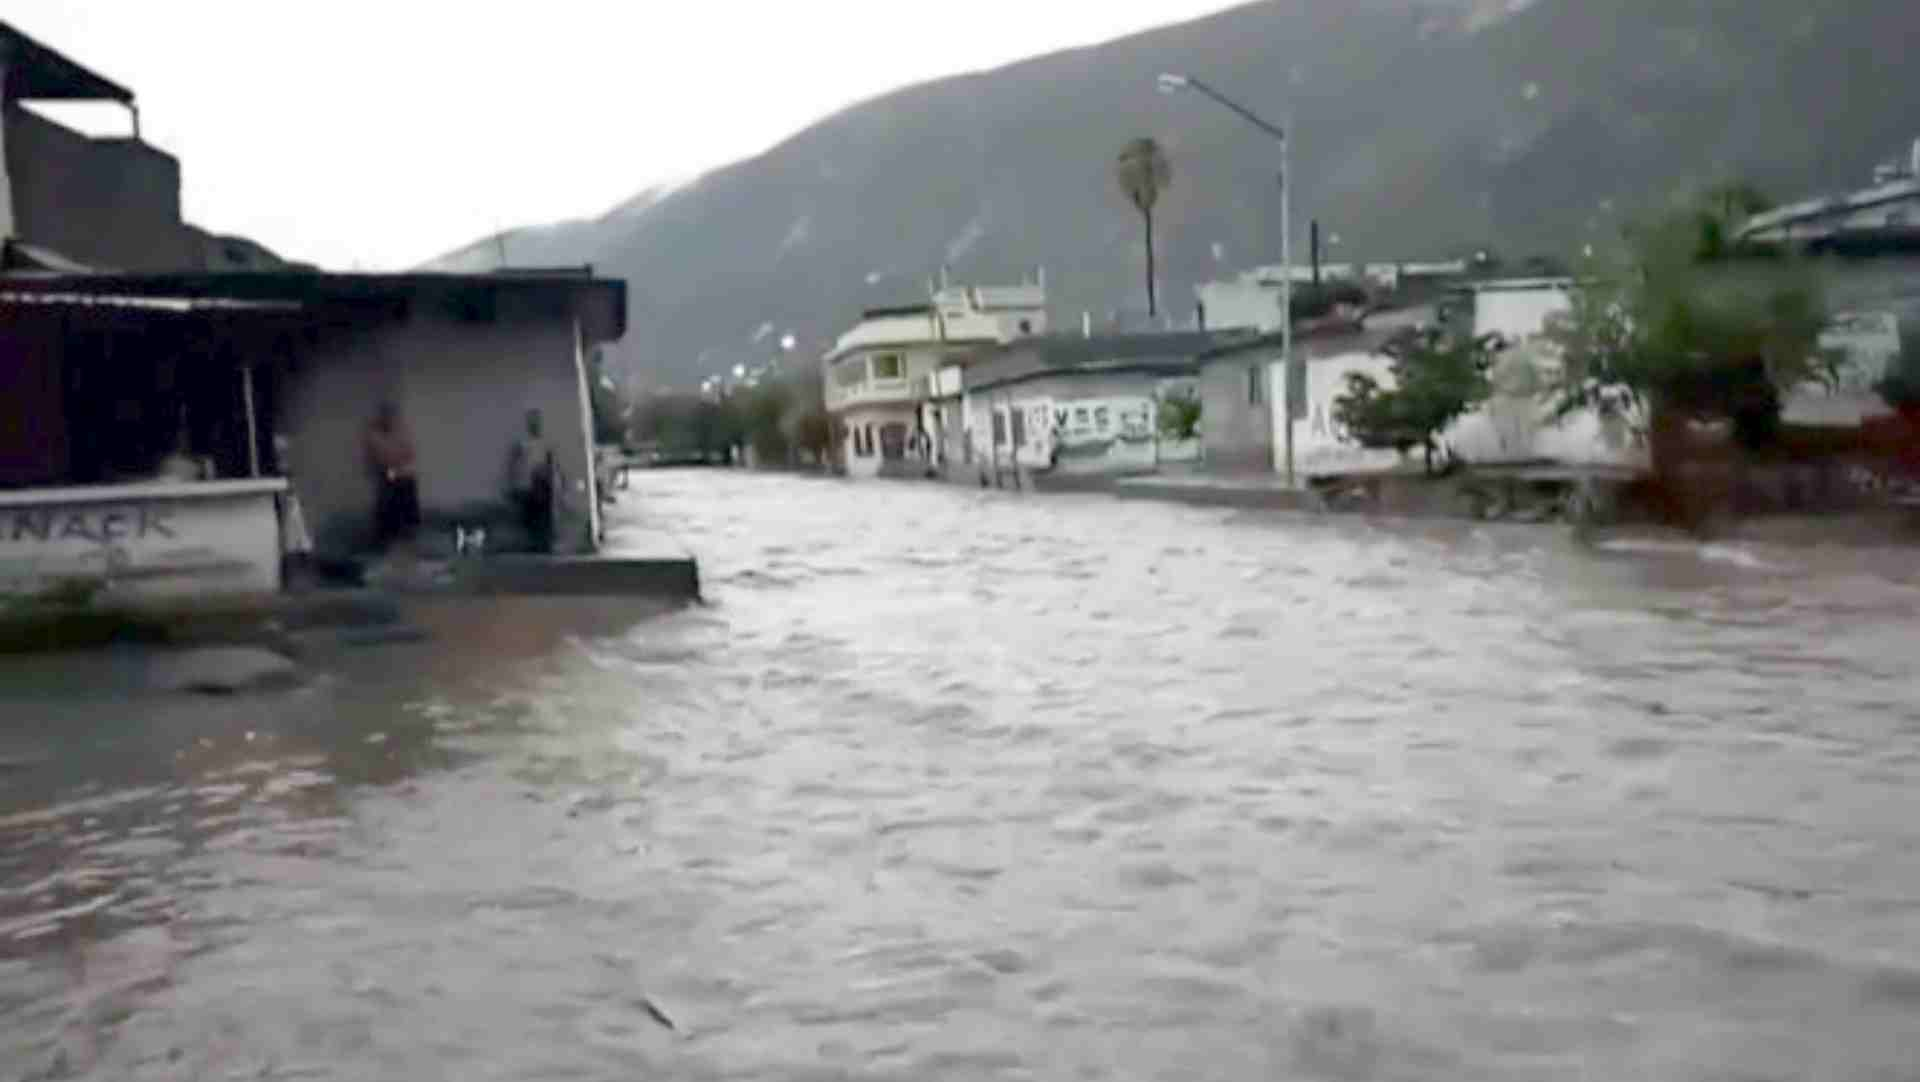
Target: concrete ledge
1218	492
665	577
264	619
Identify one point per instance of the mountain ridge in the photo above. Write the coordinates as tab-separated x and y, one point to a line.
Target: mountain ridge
1422	128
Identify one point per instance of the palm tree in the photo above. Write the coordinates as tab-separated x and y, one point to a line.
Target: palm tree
1144	172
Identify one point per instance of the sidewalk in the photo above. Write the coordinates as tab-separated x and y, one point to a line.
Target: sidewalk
1193	486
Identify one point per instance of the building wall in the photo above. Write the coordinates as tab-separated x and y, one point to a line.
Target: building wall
1235	431
1097	424
464	388
862	446
1240	303
1514	426
112	203
1517	314
917	366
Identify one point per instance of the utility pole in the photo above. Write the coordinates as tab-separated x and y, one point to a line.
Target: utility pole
1316	254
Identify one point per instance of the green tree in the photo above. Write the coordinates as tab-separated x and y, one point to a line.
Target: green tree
813	433
1719	213
1144	172
1665	336
763	414
1437	377
1180	415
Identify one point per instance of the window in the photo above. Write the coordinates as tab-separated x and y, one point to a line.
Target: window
999	428
1019	427
893	442
850	373
1253	385
888	366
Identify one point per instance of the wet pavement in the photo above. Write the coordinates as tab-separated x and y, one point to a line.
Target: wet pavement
948	784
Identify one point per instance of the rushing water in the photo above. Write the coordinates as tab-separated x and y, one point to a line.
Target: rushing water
953	784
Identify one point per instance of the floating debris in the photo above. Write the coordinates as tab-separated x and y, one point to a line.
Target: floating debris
654	1012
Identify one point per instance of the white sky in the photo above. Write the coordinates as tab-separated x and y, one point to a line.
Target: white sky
380	134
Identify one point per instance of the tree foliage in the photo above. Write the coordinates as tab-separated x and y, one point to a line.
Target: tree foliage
1666	328
1437	377
1144	172
1180	415
1720	212
782	418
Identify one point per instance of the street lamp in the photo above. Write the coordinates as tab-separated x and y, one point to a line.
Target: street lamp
1170	83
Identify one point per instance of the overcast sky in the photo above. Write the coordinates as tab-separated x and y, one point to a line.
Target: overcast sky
380	133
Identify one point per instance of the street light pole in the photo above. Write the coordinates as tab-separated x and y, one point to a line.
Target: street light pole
1172	84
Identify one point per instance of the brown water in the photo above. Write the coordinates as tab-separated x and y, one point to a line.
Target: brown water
957	785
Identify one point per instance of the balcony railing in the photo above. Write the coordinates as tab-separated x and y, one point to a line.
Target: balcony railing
876	391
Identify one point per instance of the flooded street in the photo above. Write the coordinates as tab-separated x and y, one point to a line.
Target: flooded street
947	784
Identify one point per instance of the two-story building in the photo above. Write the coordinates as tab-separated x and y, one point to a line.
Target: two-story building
883	376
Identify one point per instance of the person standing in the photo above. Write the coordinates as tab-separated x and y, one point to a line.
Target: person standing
390	458
530	482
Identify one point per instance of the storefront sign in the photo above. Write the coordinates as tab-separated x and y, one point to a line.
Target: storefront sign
164	540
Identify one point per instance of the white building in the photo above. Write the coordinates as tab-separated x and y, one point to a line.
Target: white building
1254	299
1515	426
881	373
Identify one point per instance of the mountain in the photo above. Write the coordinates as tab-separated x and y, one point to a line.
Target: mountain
1422	128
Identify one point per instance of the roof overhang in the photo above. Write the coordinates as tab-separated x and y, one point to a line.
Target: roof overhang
37	73
599	304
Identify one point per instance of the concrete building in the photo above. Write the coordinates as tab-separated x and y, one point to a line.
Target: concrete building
1067	406
156	416
1242	386
104	374
1253	299
881	376
102	202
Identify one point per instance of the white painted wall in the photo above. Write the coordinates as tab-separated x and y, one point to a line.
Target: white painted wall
918	366
1095	432
1518	313
869	420
1240	303
147	541
1514	426
464	389
1320	445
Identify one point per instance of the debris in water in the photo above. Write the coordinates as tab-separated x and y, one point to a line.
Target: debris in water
654	1012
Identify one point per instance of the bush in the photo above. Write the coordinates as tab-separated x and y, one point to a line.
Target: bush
1180	415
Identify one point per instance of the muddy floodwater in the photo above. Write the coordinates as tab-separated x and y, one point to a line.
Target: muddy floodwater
948	784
